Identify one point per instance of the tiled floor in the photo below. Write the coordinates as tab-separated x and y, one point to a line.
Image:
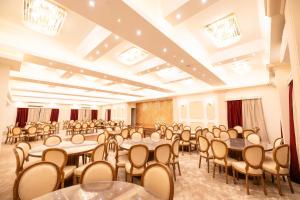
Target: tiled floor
194	183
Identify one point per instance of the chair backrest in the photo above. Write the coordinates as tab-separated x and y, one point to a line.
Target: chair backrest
254	156
209	136
163	129
186	135
118	129
84	125
155	136
36	180
56	156
175	147
99	152
277	142
203	144
125	133
92	125
25	146
222	127
239	129
281	156
52	140
247	132
101	138
224	136
77	139
219	149
138	155
98	171
175	127
136	136
119	139
32	130
216	132
253	138
158	180
232	133
46	128
140	130
132	130
197	128
162	153
77	126
169	134
20	158
204	131
188	128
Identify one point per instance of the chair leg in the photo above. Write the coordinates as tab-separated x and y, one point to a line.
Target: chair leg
207	161
200	161
174	172
278	184
247	184
214	169
290	184
272	177
226	174
74	180
117	169
233	174
179	169
263	184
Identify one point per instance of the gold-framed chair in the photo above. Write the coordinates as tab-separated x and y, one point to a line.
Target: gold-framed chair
220	156
247	132
168	134
232	133
155	136
101	138
277	142
175	156
44	132
138	157
279	165
59	157
185	140
216	131
204	131
36	180
16	134
253	156
77	128
52	140
136	136
224	135
9	134
125	133
239	129
84	127
222	127
209	136
158	180
31	133
204	150
98	171
25	146
162	154
253	138
78	138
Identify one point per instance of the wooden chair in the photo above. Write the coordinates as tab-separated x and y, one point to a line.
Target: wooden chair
101	138
125	133
222	128
138	157
9	134
25	146
204	150
16	134
162	154
36	180
239	129
253	157
175	156
77	139
247	132
253	138
216	131
155	136
98	171
31	133
52	140
279	165
168	134
136	136
232	133
224	135
185	140
158	180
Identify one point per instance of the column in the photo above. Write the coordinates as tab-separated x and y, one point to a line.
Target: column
4	79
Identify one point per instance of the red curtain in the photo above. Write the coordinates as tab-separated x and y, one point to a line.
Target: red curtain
22	115
74	114
234	113
94	114
54	115
294	167
107	115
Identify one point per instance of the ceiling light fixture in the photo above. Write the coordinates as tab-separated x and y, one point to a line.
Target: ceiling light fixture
43	16
203	1
225	31
92	3
178	16
138	32
132	56
182	61
119	20
117	37
81	71
194	69
105	45
97	52
164	50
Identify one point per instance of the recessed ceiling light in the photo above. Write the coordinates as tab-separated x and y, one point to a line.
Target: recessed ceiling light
117	37
253	54
97	52
105	76
92	3
43	16
165	50
119	20
182	61
168	64
203	75
51	63
178	16
81	71
132	56
91	57
106	45
138	32
157	67
194	69
224	31
203	1
71	72
234	59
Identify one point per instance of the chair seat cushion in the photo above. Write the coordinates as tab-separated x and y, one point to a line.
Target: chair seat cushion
68	171
222	162
241	167
78	171
135	171
270	166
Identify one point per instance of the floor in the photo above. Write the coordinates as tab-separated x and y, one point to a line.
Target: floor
194	183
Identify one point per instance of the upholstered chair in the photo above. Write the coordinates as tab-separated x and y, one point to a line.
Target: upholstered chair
98	154
222	128
232	133
77	139
155	136
220	153
185	140
157	179
136	136
125	133
168	134
224	135
52	140
209	136
253	157
101	138
36	180
253	138
59	157
132	130
204	131
277	142
162	154
216	131
247	132
204	150
138	157
31	133
175	156
98	171
239	129
25	146
279	165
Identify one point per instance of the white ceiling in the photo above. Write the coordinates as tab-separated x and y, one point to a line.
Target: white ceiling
80	64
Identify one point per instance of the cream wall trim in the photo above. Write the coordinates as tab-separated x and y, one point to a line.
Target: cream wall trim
12	64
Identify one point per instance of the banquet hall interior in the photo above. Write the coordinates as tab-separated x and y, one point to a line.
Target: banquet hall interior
149	99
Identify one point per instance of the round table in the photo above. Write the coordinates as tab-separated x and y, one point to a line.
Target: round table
127	144
238	144
100	190
69	147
